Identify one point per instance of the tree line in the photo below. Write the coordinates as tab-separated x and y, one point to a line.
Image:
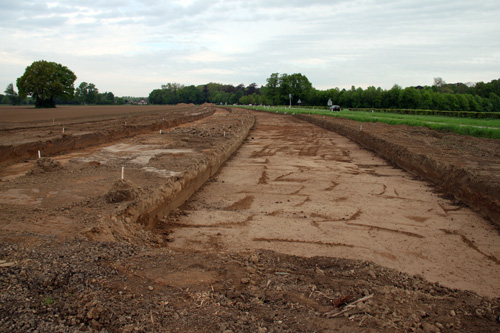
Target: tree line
46	84
173	93
439	96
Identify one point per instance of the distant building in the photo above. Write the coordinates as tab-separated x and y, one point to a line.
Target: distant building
142	101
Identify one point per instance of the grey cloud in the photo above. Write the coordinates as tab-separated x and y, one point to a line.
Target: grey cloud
334	43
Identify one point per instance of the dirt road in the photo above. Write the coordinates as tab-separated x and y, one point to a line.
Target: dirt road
298	189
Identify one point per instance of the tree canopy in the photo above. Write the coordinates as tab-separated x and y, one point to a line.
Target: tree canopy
280	87
44	81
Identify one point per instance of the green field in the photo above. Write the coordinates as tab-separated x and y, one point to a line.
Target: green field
484	128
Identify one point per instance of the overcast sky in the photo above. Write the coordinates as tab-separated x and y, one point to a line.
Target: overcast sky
131	47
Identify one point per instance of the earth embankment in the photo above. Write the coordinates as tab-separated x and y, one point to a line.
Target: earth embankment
466	167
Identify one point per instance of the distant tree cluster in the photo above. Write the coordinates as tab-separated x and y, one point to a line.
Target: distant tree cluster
88	94
46	84
440	96
173	93
11	96
279	88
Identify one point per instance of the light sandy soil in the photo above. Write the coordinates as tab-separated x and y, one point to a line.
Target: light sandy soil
298	189
270	244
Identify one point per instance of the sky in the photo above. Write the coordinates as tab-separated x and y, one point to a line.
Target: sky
131	47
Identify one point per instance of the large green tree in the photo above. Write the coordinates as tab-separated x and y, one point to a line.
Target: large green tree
44	81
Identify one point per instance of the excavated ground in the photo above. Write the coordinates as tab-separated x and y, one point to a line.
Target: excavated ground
466	167
299	189
270	243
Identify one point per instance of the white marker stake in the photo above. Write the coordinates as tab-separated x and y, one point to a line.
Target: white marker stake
224	133
160	131
63	130
123	171
39	154
361	127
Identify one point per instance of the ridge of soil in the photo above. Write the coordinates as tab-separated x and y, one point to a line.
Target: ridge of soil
80	250
463	166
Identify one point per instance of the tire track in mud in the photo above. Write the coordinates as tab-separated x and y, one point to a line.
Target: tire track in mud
311	192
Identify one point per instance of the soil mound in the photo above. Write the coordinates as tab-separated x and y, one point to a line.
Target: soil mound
45	164
121	191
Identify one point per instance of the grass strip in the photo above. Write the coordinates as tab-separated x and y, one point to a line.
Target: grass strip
482	128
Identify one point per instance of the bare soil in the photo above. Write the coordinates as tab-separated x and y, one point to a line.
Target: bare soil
300	230
302	190
25	131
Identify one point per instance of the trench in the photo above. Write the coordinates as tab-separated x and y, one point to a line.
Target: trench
297	188
477	192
